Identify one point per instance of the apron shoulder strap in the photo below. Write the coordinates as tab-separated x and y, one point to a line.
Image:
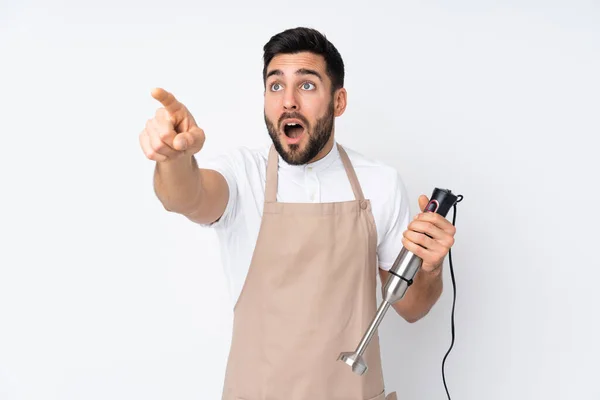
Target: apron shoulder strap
358	193
271	184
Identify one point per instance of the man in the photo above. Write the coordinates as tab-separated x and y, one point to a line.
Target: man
304	225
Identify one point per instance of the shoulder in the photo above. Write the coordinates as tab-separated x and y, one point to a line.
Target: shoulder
374	172
255	154
240	160
382	184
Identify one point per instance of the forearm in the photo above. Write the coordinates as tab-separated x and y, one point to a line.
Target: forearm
177	184
421	295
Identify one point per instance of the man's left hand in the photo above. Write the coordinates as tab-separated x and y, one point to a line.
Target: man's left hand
433	249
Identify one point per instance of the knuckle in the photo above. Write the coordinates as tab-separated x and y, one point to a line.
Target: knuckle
417	250
409	245
197	135
156	156
163	133
151	154
156	143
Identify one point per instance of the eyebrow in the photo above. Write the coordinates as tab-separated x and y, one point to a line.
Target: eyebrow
301	71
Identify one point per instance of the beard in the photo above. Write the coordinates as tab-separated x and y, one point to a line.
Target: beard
317	137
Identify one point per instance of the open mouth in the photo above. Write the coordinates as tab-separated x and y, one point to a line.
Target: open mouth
293	129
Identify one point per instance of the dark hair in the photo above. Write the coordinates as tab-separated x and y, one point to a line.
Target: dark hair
301	39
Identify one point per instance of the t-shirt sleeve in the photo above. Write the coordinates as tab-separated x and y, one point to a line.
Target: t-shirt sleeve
399	210
227	165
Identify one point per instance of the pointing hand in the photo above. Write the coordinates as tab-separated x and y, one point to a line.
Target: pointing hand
172	132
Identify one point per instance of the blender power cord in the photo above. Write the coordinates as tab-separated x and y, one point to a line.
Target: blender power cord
460	197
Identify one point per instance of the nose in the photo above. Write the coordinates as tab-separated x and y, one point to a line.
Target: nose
289	101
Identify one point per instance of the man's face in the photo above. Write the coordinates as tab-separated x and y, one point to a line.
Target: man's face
299	107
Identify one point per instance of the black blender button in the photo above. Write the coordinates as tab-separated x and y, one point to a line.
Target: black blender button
432	206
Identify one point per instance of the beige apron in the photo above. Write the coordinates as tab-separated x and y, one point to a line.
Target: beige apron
309	295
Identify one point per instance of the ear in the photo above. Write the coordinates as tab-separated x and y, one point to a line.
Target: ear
339	102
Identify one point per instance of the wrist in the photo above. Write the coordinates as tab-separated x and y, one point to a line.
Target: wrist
179	162
435	272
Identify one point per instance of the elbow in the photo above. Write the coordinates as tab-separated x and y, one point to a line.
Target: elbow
410	315
171	209
168	207
411	319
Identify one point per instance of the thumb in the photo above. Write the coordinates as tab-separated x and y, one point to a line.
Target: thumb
192	140
182	141
423	201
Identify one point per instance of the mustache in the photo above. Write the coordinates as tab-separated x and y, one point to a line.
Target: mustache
294	116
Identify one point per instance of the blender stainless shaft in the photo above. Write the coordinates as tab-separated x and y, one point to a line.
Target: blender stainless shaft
400	277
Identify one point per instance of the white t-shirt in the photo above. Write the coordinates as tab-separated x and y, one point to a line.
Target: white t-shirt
323	181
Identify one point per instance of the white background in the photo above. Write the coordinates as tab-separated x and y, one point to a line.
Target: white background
105	295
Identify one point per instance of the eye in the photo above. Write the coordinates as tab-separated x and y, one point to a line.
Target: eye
275	87
308	86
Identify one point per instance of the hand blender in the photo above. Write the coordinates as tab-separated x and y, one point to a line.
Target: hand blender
400	278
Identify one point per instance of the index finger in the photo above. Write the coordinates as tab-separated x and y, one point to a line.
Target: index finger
438	220
171	104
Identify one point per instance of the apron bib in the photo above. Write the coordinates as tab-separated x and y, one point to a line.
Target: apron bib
309	295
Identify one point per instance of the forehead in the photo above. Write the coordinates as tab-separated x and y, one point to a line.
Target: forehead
290	63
